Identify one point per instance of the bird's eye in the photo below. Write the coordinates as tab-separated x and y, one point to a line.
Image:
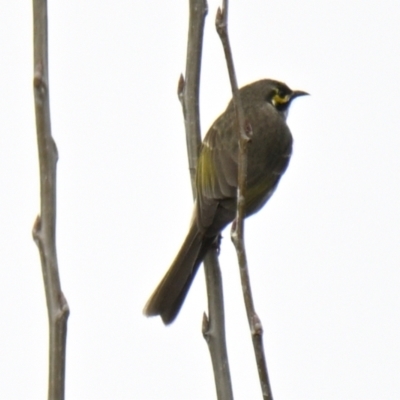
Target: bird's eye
282	94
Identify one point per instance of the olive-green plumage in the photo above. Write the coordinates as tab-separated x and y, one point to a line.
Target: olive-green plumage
265	104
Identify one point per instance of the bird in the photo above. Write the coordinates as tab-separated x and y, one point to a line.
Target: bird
265	104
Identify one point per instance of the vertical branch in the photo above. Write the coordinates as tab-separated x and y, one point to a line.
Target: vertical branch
188	92
44	229
214	326
237	234
188	87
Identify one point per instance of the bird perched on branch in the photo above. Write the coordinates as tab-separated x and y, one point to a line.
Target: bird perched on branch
265	104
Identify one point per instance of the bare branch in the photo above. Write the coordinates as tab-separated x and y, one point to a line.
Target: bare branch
188	93
214	327
44	229
189	87
237	234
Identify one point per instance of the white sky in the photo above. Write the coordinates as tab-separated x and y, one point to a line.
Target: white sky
324	253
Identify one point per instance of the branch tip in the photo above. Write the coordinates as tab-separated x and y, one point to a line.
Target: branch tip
181	85
256	326
205	327
219	21
36	229
63	312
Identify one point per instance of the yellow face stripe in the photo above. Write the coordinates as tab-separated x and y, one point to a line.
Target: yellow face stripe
279	100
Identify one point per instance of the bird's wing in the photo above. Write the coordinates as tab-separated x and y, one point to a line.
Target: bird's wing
216	170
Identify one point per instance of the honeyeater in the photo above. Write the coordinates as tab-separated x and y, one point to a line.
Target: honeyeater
265	104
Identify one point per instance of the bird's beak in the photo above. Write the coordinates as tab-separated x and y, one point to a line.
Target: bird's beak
298	93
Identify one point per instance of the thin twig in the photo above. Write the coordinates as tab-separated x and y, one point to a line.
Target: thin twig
188	92
44	228
237	234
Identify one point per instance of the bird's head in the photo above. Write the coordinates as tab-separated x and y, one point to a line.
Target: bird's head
281	96
276	93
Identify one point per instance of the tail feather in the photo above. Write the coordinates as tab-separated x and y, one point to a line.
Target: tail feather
170	294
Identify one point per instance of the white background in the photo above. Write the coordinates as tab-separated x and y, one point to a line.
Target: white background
324	253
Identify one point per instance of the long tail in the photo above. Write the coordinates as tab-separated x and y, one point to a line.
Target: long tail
170	294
